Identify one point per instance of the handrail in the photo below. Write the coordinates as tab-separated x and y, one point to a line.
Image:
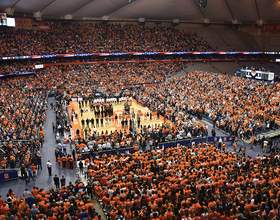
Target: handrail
9	169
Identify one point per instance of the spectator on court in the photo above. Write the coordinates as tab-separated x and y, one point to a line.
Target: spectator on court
56	181
49	166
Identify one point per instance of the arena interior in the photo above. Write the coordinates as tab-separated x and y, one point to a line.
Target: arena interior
139	109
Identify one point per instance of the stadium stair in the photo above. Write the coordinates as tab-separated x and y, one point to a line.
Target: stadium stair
98	38
178	74
249	40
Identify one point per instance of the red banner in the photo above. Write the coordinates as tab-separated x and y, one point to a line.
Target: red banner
271	29
43	25
252	27
24	23
264	28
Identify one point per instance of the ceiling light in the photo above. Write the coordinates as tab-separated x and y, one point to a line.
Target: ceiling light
202	3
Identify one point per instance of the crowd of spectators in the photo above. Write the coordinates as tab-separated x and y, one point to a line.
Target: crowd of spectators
22	115
236	105
99	37
187	182
193	182
61	38
89	139
110	78
14	67
24	99
70	201
131	38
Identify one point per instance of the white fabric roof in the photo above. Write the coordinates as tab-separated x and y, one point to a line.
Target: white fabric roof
187	10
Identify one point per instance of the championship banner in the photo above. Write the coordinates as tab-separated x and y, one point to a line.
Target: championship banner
271	28
24	23
252	27
278	28
44	25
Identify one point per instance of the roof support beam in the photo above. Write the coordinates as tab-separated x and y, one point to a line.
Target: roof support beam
128	2
15	4
82	6
47	5
199	8
230	10
257	10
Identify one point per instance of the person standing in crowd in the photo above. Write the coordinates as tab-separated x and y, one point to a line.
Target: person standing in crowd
89	189
30	174
56	181
81	166
34	211
30	200
74	154
33	169
62	181
213	132
71	161
244	151
83	123
49	166
138	122
39	161
97	122
64	146
265	142
252	142
26	193
70	141
63	161
23	172
235	146
53	127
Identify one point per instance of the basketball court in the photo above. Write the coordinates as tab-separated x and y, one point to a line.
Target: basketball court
112	125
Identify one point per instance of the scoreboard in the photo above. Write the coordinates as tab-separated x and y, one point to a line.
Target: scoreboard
3	19
255	74
6	21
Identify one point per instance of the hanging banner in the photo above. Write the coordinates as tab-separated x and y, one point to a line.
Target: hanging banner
24	23
44	25
252	27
